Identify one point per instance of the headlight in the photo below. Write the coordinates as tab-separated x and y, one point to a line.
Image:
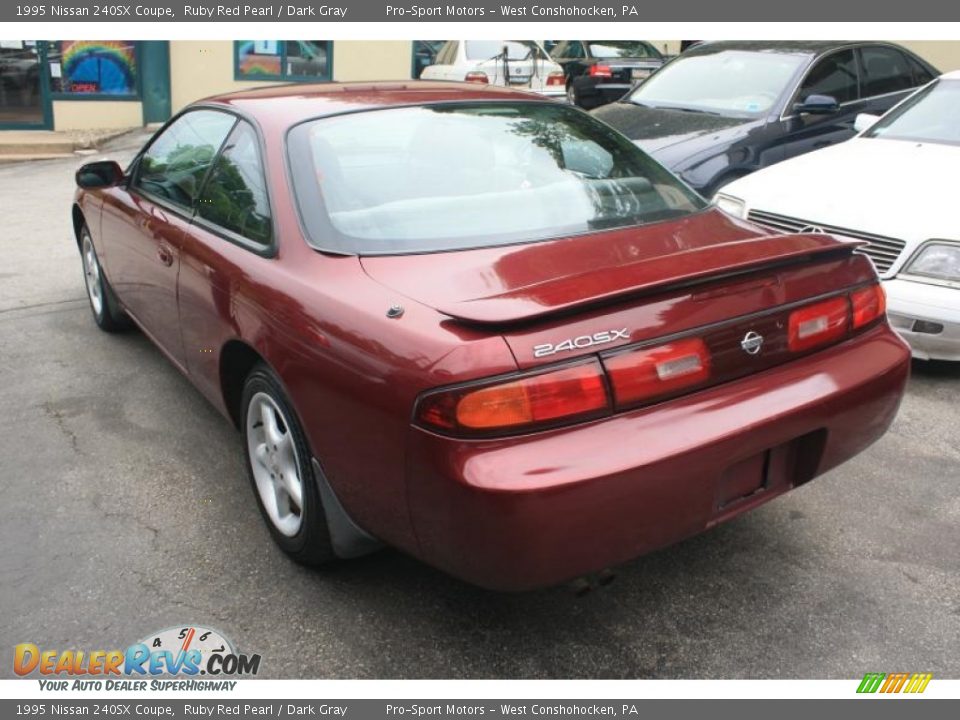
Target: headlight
938	260
730	205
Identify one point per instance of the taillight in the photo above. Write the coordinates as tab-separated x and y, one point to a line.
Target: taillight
649	373
818	324
602	71
868	304
556	78
535	401
477	76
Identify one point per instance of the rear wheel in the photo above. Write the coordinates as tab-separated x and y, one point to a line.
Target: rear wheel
281	472
571	94
103	303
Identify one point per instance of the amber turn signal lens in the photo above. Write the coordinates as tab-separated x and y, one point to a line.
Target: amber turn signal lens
649	373
525	403
868	304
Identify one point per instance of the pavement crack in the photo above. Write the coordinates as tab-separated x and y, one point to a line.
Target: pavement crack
61	423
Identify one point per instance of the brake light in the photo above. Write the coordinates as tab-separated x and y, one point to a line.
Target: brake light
602	71
818	324
649	373
556	78
572	392
868	304
477	76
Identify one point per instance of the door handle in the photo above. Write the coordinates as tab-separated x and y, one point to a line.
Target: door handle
165	256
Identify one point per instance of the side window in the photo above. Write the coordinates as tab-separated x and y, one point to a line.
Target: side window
235	196
834	75
885	70
575	49
174	165
921	76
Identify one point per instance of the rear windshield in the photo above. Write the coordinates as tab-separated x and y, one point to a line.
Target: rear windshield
622	49
454	176
489	49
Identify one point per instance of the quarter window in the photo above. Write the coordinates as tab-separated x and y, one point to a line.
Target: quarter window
885	71
175	163
235	196
834	75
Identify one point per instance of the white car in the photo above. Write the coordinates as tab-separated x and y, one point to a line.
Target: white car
896	185
520	64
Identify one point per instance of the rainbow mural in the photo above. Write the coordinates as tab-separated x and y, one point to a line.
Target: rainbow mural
254	63
99	66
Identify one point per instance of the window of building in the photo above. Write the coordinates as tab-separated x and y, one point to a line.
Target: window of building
93	67
292	60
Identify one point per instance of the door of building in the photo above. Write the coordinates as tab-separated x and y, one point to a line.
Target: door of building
24	95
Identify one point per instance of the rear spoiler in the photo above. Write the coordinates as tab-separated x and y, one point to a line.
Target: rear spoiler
672	271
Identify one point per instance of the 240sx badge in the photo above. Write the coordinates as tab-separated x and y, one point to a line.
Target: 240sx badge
186	651
580	342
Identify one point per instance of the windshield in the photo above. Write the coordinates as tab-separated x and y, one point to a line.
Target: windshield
738	83
929	116
622	49
516	49
452	176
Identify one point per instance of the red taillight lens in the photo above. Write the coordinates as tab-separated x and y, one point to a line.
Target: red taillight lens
556	78
650	373
818	324
602	71
477	76
868	304
526	403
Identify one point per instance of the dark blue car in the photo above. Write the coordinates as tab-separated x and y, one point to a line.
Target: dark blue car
724	109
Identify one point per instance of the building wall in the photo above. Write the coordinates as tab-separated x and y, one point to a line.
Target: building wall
96	114
199	69
943	54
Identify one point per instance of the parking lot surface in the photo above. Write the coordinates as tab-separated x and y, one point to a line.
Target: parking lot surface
126	509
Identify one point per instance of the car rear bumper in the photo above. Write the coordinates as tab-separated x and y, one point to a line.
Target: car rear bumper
927	317
527	512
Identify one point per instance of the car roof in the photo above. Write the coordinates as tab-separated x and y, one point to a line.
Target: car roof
791	47
292	103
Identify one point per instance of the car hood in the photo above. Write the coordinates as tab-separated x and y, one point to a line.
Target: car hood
684	133
893	188
509	284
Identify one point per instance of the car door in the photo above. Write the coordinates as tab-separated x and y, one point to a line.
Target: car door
230	239
835	75
144	223
888	76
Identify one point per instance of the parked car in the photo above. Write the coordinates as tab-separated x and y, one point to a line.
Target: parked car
601	71
722	110
519	64
892	187
481	326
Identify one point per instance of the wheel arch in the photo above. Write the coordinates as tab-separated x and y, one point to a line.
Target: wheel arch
79	220
237	359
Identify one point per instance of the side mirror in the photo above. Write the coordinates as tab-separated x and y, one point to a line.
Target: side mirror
99	174
865	121
818	105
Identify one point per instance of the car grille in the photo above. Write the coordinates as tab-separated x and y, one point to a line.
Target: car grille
883	251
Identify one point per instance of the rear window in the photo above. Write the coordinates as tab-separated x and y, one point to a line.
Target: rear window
454	176
489	49
622	49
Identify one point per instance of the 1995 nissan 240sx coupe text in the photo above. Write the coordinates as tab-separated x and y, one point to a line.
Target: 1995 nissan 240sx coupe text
482	327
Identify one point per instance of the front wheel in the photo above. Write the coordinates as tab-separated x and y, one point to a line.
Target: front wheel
103	303
278	461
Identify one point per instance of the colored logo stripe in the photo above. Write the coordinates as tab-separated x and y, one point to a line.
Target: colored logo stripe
894	682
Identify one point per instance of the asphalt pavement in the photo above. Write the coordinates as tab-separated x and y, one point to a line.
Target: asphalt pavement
125	509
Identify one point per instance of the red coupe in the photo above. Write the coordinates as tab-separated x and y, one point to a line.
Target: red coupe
482	327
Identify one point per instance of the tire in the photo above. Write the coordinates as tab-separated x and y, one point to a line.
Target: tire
106	310
281	472
572	95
